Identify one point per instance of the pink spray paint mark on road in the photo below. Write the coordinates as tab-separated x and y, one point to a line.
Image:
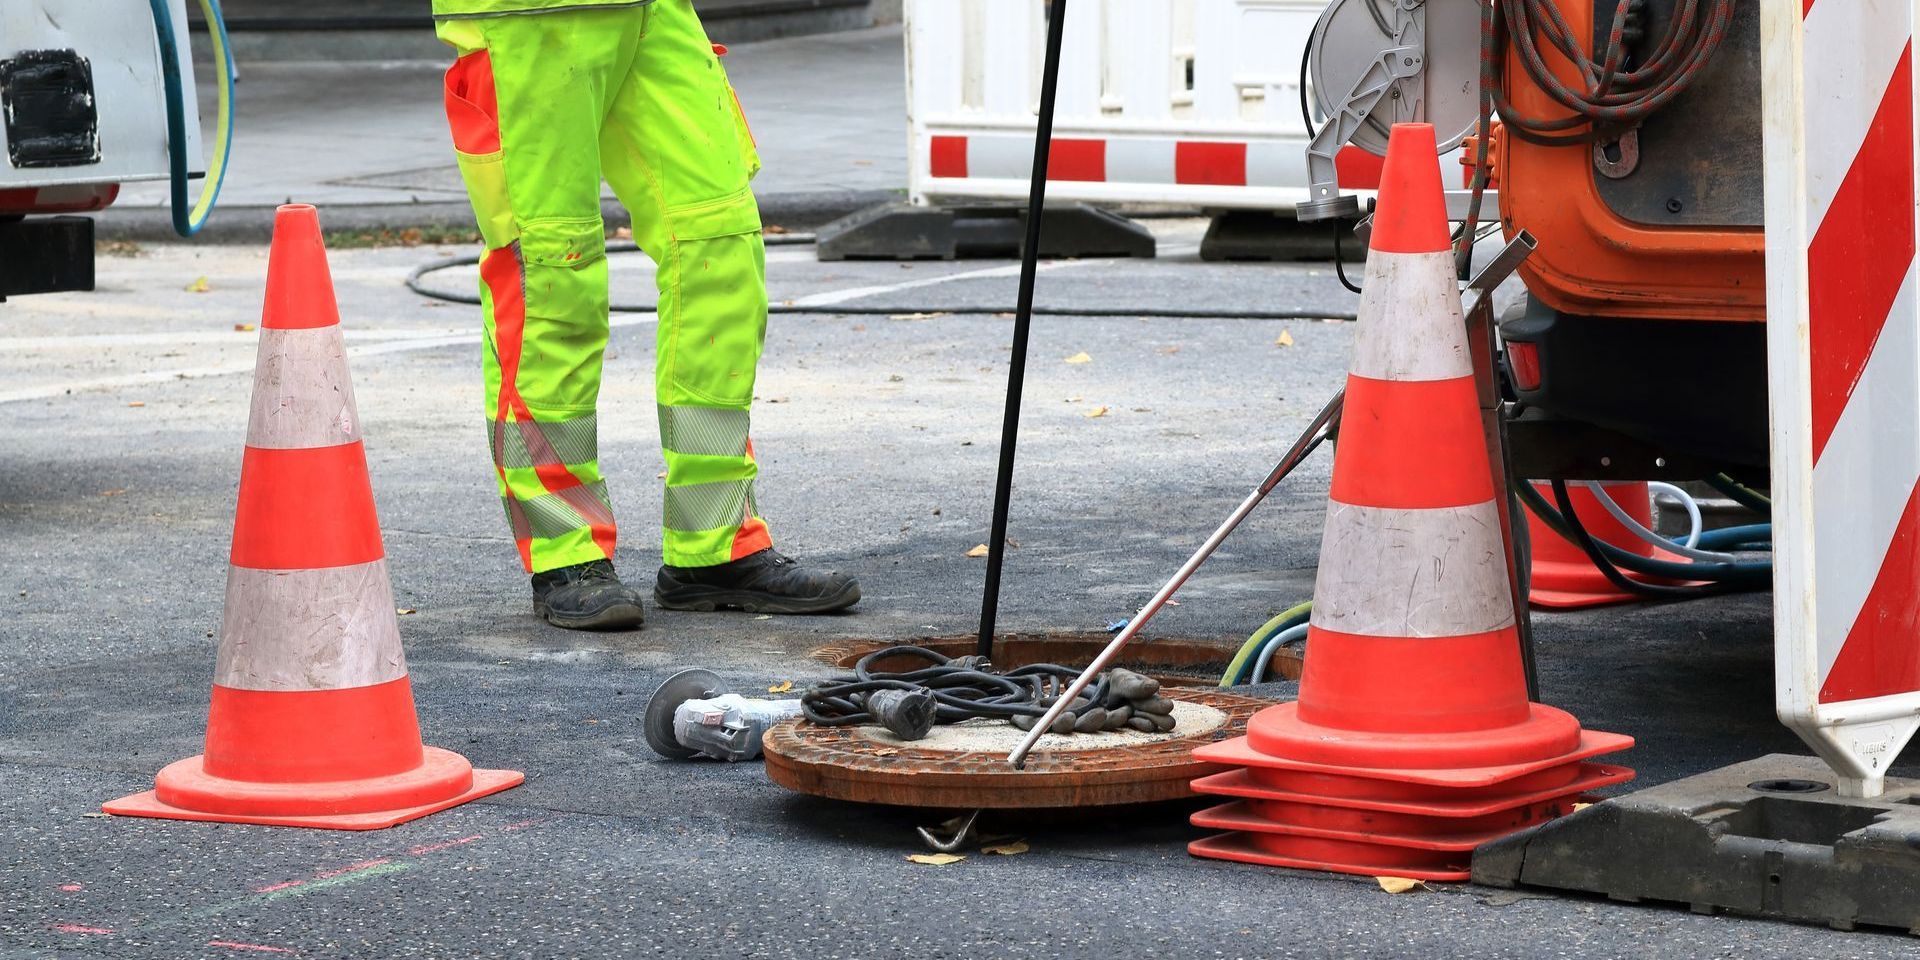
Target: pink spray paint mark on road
522	825
72	887
256	947
426	848
271	887
353	868
77	928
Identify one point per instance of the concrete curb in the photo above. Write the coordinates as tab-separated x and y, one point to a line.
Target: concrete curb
254	224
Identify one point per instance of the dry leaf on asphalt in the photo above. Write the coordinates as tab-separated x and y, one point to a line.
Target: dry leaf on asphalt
1100	411
979	551
1400	884
1080	357
1007	849
136	403
781	687
199	285
245	327
1284	340
935	859
405	611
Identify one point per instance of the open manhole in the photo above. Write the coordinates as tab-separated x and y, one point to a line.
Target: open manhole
1185	663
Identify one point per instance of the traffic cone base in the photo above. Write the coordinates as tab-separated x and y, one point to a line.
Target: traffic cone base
1306	853
312	721
1563	577
1413	740
1388	797
1245	752
217	800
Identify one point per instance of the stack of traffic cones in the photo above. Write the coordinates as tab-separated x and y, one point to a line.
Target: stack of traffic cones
312	722
1562	576
1413	740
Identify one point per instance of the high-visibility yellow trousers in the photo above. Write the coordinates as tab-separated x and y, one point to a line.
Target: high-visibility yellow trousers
542	106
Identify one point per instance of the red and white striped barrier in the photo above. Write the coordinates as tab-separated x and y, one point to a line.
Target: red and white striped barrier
1194	104
1843	347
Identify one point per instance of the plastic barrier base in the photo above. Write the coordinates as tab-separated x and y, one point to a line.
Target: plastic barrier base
1770	837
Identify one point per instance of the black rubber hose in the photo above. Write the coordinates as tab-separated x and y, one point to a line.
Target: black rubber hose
962	688
1740	494
415	283
1651	591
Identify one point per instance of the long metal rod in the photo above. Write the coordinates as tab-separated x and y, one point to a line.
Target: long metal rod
1321	427
1022	321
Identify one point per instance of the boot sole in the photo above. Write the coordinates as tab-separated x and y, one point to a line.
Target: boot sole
709	599
620	616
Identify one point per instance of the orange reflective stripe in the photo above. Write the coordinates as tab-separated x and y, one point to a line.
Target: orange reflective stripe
301	509
473	109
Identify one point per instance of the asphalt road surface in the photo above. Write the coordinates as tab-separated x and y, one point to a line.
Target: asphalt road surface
877	435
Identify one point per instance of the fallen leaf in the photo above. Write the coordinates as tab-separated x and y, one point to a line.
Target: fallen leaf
246	327
1576	808
1007	849
781	687
935	859
774	229
895	378
1169	351
405	611
662	475
109	493
1072	400
136	403
199	285
1100	411
858	328
979	551
1080	357
1284	340
1400	884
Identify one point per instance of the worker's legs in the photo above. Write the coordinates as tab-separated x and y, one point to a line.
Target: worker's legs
676	149
525	101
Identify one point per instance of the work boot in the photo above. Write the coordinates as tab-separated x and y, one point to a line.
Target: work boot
763	582
586	596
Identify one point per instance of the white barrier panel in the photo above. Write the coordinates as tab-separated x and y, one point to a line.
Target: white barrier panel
1191	102
1843	368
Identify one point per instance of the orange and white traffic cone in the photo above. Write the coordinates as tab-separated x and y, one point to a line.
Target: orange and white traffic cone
312	722
1412	741
1562	576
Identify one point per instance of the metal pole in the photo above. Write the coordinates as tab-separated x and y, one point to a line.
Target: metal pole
1322	426
1022	321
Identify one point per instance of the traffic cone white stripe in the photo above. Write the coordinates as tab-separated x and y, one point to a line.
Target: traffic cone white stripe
1431	572
1411	319
302	395
348	638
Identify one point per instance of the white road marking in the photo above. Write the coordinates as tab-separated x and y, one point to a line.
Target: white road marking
394	341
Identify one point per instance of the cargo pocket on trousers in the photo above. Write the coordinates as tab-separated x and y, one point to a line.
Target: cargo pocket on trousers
719	275
473	117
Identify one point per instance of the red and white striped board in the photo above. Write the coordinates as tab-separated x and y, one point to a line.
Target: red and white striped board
1843	349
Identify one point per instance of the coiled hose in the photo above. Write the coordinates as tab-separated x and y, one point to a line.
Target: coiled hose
1613	96
963	688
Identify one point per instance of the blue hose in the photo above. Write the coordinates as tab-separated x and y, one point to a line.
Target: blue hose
188	218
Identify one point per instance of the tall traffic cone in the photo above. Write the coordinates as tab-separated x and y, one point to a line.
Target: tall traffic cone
1412	741
1562	576
312	722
